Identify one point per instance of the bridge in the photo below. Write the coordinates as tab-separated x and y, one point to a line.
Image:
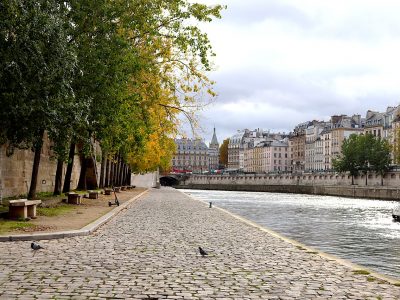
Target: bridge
172	179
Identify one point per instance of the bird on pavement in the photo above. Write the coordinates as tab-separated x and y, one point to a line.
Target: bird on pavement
36	246
202	252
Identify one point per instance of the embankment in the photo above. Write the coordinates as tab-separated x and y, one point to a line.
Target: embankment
383	193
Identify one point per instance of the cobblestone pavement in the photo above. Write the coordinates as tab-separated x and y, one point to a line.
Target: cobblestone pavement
149	251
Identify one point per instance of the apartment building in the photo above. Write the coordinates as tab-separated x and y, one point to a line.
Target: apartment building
267	156
193	155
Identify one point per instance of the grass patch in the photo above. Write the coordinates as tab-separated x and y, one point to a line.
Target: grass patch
8	225
300	248
55	210
361	272
396	284
370	279
312	252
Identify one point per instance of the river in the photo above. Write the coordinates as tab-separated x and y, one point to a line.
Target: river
359	230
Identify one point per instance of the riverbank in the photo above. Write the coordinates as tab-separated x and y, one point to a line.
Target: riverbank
150	251
70	218
367	192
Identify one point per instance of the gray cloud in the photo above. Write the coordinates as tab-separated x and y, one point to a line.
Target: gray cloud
285	62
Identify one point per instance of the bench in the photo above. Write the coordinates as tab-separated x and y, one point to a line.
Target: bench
23	208
123	188
74	198
117	189
107	191
93	195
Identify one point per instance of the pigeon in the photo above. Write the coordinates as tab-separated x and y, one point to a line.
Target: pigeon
202	252
36	246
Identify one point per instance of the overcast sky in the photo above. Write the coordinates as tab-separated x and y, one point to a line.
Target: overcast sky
283	62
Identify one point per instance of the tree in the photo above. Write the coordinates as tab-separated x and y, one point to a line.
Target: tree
223	153
37	64
348	160
380	157
363	153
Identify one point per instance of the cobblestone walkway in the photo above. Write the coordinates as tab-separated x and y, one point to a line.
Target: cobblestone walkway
149	251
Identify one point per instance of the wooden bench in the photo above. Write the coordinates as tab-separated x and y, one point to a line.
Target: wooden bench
74	198
93	195
23	208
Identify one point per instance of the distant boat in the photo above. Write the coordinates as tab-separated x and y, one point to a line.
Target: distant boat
396	214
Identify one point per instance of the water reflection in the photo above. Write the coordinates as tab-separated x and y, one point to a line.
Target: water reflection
359	230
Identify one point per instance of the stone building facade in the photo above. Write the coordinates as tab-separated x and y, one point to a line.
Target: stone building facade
193	155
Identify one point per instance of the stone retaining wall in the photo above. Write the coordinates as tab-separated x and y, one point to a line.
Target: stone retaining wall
327	184
16	171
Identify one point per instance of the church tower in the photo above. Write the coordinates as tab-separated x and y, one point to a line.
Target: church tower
214	141
213	151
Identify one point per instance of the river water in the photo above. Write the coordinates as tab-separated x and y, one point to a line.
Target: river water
359	230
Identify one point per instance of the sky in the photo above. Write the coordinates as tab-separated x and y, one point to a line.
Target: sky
283	62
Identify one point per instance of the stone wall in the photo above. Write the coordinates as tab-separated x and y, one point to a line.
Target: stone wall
16	171
320	184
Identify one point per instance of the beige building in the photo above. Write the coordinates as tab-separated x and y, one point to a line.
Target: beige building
193	155
297	142
267	156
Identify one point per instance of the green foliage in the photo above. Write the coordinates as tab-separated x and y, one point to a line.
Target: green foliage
350	156
119	72
37	64
363	153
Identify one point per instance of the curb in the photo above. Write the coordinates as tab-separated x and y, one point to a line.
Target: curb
86	230
273	233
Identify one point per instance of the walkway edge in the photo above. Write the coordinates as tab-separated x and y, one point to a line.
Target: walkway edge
341	261
86	230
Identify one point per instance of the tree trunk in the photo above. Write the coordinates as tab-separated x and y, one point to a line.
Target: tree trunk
352	179
129	176
115	181
118	171
381	179
70	165
366	178
121	171
112	167
107	177
102	170
35	169
125	174
58	179
82	175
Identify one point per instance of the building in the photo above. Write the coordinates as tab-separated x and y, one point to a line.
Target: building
244	145
297	146
193	155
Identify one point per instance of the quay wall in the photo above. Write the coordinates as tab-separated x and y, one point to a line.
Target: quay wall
16	170
317	184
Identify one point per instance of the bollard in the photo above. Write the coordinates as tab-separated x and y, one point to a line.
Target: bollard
210	205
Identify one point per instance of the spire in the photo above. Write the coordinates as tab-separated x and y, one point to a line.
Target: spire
214	141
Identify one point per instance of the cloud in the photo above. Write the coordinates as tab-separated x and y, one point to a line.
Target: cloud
283	62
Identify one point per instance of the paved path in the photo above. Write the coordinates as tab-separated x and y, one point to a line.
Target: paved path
149	251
